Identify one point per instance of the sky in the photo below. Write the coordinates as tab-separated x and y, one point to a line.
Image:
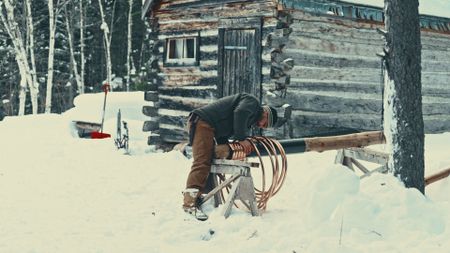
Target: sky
439	8
60	193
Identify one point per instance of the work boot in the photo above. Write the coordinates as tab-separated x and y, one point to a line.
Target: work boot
191	204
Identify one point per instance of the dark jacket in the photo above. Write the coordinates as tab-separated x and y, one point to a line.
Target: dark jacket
231	116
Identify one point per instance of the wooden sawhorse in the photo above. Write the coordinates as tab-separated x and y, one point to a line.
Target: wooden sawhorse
350	156
242	185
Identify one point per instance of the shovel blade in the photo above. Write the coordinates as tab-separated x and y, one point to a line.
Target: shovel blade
99	135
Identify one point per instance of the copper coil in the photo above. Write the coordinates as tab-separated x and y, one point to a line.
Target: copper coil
278	162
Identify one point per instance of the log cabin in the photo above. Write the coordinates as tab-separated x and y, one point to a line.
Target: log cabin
318	56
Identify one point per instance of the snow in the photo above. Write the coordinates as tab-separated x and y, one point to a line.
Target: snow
440	8
60	193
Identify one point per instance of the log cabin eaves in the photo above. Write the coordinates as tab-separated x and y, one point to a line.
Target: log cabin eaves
147	7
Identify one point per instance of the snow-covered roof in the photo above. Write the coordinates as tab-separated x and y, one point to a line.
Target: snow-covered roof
438	8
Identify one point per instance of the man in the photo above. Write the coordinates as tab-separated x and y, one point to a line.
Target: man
215	123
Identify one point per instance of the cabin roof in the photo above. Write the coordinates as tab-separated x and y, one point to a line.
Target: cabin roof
343	9
147	7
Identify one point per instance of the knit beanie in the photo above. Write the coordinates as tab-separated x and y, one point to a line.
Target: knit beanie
272	115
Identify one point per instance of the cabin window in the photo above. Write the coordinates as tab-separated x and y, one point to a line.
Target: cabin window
181	51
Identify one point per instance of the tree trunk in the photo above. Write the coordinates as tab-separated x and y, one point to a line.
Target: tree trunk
51	57
82	59
107	43
14	33
403	122
72	51
130	24
34	86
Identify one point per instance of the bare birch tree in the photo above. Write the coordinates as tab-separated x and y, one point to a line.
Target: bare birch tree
129	41
72	50
107	42
31	49
82	45
51	55
404	128
11	25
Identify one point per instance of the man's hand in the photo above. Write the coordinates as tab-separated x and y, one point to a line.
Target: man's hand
247	146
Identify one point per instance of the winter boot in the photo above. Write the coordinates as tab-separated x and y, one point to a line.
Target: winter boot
191	204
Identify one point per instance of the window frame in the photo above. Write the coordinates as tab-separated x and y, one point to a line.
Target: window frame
181	62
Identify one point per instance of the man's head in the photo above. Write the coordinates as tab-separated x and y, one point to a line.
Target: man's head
268	118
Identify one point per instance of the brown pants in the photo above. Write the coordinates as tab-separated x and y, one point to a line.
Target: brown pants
202	152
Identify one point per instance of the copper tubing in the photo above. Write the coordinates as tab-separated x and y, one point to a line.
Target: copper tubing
278	162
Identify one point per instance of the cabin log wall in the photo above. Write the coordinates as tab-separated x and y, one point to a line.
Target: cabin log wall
336	81
182	89
318	57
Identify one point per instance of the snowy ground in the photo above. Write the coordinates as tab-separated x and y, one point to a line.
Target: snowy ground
59	193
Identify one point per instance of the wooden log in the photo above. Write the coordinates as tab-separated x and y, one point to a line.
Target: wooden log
150	126
298	84
337	60
437	176
177	121
189	91
150	111
319	144
370	75
151	96
331	102
182	104
173	135
154	140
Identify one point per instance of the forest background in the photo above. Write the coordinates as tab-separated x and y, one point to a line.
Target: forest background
53	51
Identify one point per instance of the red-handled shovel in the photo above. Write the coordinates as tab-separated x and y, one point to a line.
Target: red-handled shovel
101	135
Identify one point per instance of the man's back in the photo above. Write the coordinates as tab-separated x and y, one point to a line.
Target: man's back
231	115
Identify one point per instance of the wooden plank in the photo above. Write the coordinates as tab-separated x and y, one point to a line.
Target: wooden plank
231	196
381	169
219	187
367	155
359	166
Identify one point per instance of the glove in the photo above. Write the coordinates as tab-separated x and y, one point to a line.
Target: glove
247	146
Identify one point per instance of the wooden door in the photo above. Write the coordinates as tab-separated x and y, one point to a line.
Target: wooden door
239	61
